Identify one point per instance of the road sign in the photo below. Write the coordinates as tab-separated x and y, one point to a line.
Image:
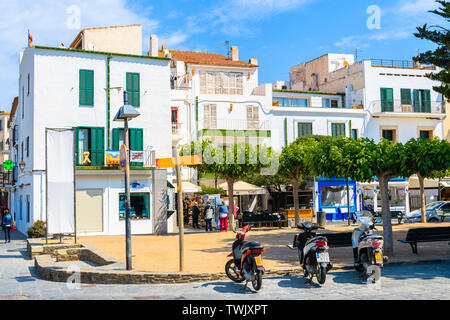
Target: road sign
8	165
123	156
164	163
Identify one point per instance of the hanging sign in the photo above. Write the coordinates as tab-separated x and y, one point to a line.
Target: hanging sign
112	157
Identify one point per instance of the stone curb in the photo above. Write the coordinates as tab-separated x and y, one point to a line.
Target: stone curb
47	268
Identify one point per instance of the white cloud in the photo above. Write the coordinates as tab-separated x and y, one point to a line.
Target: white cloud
418	7
47	22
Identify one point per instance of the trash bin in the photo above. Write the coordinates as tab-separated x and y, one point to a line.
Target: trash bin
321	218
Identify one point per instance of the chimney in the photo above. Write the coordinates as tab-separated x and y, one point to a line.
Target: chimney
153	46
253	61
234	53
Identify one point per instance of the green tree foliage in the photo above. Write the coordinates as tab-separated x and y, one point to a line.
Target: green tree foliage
294	166
428	158
440	57
231	163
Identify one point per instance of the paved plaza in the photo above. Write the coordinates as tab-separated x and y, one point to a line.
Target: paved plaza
431	281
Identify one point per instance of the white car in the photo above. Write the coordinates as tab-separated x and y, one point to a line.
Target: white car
416	215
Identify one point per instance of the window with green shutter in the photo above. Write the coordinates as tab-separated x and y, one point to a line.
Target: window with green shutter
304	129
338	129
388	135
136	141
387	99
133	89
86	88
90	146
422	100
405	96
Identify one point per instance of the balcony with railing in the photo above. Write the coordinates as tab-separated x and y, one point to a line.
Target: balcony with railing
418	109
233	124
101	158
408	64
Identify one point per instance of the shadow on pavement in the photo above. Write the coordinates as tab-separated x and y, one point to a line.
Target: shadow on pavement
230	287
297	282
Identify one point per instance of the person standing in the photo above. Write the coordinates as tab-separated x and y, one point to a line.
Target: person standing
7	223
195	215
223	216
208	213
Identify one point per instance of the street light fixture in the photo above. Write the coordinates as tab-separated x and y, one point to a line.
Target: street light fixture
126	113
176	138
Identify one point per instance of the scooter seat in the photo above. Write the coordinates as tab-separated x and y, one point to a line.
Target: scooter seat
251	245
315	239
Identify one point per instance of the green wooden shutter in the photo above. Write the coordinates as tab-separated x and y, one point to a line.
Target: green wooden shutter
133	89
416	94
304	129
86	88
426	101
115	142
97	146
337	129
76	145
136	143
387	99
388	134
406	96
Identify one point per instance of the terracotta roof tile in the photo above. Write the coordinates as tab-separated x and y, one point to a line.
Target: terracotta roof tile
207	58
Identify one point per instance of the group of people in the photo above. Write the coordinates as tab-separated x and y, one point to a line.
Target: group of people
208	214
7	223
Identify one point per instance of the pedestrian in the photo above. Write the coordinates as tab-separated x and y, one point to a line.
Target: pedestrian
7	223
208	213
195	215
223	216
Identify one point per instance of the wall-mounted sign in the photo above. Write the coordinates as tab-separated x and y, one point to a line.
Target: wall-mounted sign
8	165
136	156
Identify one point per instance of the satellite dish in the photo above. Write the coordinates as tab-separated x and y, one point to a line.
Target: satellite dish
91	45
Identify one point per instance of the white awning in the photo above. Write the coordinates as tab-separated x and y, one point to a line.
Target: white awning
428	183
243	188
188	187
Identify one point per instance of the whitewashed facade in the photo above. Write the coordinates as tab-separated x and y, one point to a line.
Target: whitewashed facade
50	96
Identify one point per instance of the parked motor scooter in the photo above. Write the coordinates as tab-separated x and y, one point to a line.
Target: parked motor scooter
367	247
246	264
312	252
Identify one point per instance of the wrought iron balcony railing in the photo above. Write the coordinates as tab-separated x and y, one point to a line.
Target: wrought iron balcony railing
380	106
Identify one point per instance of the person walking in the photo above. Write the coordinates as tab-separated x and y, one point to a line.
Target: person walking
7	223
223	216
208	213
195	215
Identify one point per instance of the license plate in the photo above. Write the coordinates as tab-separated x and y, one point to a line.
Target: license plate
322	257
258	261
378	257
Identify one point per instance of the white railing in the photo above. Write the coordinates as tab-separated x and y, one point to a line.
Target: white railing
379	106
234	124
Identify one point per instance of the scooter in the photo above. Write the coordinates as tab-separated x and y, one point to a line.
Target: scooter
312	252
246	264
367	247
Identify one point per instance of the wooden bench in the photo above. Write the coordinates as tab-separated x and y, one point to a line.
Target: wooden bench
399	215
426	235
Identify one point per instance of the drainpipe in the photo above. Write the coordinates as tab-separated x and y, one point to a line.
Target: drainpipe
108	77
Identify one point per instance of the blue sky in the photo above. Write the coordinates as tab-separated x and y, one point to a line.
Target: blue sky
279	33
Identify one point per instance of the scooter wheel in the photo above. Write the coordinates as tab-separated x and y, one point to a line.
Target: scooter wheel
257	283
322	274
233	272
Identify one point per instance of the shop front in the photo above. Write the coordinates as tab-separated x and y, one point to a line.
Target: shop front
331	198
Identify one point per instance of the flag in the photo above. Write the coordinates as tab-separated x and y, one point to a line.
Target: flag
30	39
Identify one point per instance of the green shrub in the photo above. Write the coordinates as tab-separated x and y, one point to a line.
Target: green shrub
37	230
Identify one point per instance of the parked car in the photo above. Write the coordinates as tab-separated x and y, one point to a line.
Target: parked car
415	216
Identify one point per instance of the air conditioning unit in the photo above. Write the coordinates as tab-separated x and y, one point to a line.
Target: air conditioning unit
406	108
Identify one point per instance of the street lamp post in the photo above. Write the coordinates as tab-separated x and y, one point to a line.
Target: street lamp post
126	113
175	139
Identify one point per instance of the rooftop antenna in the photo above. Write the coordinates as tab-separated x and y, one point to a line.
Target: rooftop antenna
227	43
356	54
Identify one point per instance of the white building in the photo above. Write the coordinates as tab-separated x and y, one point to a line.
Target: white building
218	98
397	95
65	88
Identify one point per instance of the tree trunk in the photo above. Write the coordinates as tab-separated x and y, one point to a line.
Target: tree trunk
386	214
422	198
296	204
230	183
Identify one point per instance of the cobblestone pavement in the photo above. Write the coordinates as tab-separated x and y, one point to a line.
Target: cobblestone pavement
432	281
